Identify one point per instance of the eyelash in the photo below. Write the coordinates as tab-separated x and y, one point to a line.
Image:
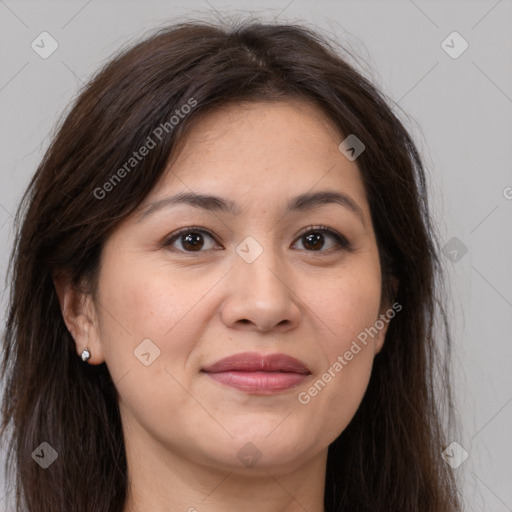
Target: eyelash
343	243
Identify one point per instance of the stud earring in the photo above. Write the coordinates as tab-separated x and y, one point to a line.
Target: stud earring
86	355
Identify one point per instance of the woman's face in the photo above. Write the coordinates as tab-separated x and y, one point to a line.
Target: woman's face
263	280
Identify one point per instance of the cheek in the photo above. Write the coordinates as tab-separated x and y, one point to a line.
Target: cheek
137	304
348	304
145	300
334	395
147	311
350	309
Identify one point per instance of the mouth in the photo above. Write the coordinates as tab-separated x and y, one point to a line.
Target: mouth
257	373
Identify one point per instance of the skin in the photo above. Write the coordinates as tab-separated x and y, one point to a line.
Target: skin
182	429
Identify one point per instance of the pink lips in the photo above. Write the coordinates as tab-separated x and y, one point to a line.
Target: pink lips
257	373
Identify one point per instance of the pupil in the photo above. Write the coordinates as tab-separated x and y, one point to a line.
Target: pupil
314	239
193	240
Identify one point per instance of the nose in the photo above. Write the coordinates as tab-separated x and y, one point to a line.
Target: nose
261	296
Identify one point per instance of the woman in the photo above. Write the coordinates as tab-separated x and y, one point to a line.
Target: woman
224	290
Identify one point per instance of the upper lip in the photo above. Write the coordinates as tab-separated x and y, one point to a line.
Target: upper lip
252	361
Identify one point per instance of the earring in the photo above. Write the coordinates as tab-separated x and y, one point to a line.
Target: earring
86	355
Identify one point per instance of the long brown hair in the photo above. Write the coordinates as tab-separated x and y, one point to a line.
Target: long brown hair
389	456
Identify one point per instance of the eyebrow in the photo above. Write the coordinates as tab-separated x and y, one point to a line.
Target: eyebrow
302	202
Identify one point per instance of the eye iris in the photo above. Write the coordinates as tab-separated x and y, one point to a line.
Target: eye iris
192	241
315	239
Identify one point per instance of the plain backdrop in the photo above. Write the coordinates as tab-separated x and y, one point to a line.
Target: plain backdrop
458	108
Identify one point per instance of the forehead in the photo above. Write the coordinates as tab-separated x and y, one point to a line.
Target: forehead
262	151
273	130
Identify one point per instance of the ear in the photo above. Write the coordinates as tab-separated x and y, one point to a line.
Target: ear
387	313
378	341
80	316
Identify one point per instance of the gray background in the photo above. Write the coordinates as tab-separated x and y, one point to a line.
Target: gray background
458	110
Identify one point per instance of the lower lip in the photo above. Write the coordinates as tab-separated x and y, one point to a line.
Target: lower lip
259	382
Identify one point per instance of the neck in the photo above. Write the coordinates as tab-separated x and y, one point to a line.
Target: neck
170	482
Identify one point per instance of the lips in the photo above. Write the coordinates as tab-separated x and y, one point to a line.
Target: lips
257	373
254	362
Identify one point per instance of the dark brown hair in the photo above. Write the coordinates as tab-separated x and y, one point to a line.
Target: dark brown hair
389	456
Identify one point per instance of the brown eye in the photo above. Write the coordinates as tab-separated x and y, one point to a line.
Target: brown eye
190	240
316	239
